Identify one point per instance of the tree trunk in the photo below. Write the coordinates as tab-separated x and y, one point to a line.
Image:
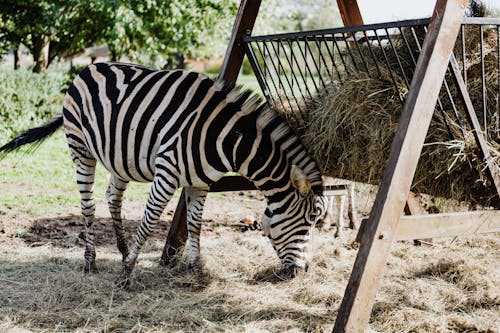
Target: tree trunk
112	52
41	53
17	57
179	59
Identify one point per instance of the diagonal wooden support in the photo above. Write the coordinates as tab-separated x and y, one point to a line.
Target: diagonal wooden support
245	20
354	312
349	11
494	170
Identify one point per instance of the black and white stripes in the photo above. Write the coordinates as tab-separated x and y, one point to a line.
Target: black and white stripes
181	129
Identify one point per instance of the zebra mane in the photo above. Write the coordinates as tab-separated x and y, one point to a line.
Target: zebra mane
253	103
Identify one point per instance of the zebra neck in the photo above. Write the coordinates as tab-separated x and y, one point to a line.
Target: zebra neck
265	154
260	145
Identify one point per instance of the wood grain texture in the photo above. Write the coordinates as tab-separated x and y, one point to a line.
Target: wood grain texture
354	312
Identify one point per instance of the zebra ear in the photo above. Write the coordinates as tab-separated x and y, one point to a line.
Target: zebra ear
299	180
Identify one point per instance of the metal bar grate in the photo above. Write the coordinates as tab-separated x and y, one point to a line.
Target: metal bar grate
295	68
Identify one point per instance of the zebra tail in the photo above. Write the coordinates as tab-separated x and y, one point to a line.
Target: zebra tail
34	136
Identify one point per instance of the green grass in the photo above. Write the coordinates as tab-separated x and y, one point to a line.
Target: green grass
249	82
44	180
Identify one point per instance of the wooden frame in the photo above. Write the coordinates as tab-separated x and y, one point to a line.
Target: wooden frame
354	312
443	225
385	223
349	11
245	20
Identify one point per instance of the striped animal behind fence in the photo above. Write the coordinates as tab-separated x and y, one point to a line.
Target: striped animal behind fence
181	129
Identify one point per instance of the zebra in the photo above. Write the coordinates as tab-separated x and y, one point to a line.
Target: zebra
182	129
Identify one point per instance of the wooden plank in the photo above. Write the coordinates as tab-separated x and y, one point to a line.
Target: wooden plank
354	312
448	224
331	193
444	225
494	170
349	11
245	20
232	183
177	234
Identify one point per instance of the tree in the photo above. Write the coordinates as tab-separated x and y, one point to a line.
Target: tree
51	29
158	29
278	16
170	29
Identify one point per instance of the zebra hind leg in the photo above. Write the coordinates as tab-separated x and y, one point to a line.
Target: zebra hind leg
161	192
195	199
85	173
114	196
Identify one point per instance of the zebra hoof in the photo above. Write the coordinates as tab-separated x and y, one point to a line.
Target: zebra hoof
123	282
289	272
90	268
202	277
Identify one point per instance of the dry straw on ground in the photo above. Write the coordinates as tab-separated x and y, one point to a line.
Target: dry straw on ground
426	289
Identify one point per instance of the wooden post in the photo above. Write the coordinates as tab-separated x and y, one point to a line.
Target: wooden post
494	170
177	234
354	312
349	11
245	19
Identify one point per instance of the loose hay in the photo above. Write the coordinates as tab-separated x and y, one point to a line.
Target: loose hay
426	289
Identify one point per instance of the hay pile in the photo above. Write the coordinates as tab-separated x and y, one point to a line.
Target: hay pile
350	127
427	289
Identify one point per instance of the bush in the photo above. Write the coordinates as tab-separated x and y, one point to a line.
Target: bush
28	99
213	66
246	68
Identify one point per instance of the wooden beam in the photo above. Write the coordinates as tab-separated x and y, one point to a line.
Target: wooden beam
448	224
245	20
349	11
494	170
177	234
354	312
445	225
232	183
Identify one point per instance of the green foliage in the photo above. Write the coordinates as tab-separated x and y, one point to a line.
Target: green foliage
213	67
67	26
276	16
28	99
159	29
164	29
246	68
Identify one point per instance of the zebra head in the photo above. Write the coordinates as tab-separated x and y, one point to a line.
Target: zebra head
290	222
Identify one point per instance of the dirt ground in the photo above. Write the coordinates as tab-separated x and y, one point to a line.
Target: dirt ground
452	286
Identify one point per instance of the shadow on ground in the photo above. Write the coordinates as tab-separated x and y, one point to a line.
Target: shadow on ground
53	294
68	231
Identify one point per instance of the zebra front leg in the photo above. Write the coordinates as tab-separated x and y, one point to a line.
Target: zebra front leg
85	172
114	196
161	191
327	218
339	202
195	199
